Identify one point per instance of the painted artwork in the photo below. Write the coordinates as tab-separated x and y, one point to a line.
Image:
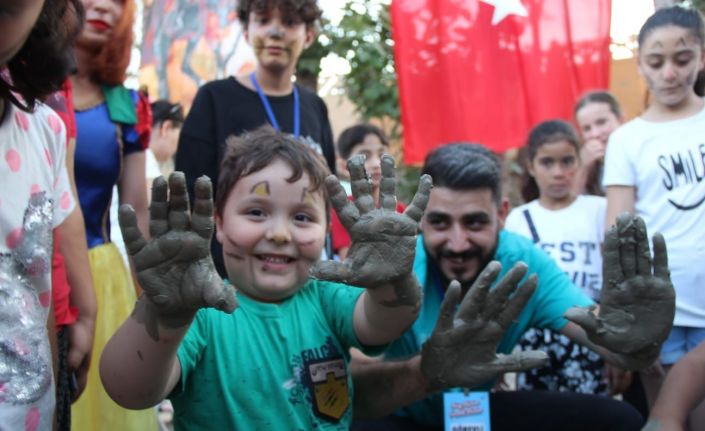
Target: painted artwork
188	43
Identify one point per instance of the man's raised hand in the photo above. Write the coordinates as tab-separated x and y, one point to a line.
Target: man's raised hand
461	352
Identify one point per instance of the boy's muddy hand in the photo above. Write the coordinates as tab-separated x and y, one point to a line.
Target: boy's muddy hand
637	305
175	268
383	241
462	349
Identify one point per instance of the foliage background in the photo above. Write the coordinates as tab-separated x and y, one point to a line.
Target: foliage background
363	37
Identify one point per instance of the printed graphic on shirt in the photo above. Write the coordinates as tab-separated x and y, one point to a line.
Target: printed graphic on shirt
330	388
322	381
683	169
581	255
25	364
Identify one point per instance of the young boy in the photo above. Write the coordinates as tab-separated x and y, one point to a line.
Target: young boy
278	31
280	360
361	140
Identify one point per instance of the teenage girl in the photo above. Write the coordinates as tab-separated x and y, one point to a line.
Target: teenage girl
597	115
569	226
655	167
35	197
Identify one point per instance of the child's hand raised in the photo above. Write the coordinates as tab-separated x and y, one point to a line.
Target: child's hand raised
175	268
383	241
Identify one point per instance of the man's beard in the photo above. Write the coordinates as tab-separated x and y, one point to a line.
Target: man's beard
469	254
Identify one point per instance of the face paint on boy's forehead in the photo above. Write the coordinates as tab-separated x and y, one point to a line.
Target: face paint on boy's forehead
261	189
307	197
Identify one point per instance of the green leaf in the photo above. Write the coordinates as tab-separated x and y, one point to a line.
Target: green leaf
363	37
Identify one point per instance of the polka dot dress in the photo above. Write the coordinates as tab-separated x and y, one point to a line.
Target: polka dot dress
34	198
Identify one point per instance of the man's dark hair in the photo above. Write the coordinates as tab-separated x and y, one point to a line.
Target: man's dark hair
45	59
463	166
163	110
306	11
354	135
253	151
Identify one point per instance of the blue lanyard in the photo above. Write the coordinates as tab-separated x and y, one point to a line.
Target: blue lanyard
270	113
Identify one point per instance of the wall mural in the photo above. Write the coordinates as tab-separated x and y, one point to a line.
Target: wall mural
188	43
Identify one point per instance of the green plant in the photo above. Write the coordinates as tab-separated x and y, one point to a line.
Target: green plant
363	37
309	64
699	4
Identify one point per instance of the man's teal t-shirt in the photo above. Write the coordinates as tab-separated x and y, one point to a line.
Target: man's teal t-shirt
553	296
270	366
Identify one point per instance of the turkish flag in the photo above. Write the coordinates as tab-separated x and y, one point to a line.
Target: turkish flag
488	70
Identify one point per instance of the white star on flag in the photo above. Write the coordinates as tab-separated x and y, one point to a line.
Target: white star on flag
502	8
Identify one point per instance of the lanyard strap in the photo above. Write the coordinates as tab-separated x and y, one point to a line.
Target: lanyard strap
270	113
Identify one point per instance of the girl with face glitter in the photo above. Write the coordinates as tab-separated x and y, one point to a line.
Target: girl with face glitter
655	167
35	198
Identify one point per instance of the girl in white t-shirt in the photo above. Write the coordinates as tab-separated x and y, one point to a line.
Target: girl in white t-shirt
569	227
655	167
35	197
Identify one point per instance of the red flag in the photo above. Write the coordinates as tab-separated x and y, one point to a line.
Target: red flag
488	70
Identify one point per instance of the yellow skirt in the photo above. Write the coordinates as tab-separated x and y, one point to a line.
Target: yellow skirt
115	295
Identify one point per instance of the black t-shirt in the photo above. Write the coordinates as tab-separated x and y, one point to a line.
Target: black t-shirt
224	108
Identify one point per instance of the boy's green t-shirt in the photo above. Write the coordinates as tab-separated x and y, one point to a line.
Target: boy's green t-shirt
271	366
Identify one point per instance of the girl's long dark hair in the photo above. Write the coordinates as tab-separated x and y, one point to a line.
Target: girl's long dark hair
46	58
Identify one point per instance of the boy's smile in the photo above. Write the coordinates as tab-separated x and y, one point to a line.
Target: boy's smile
272	231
